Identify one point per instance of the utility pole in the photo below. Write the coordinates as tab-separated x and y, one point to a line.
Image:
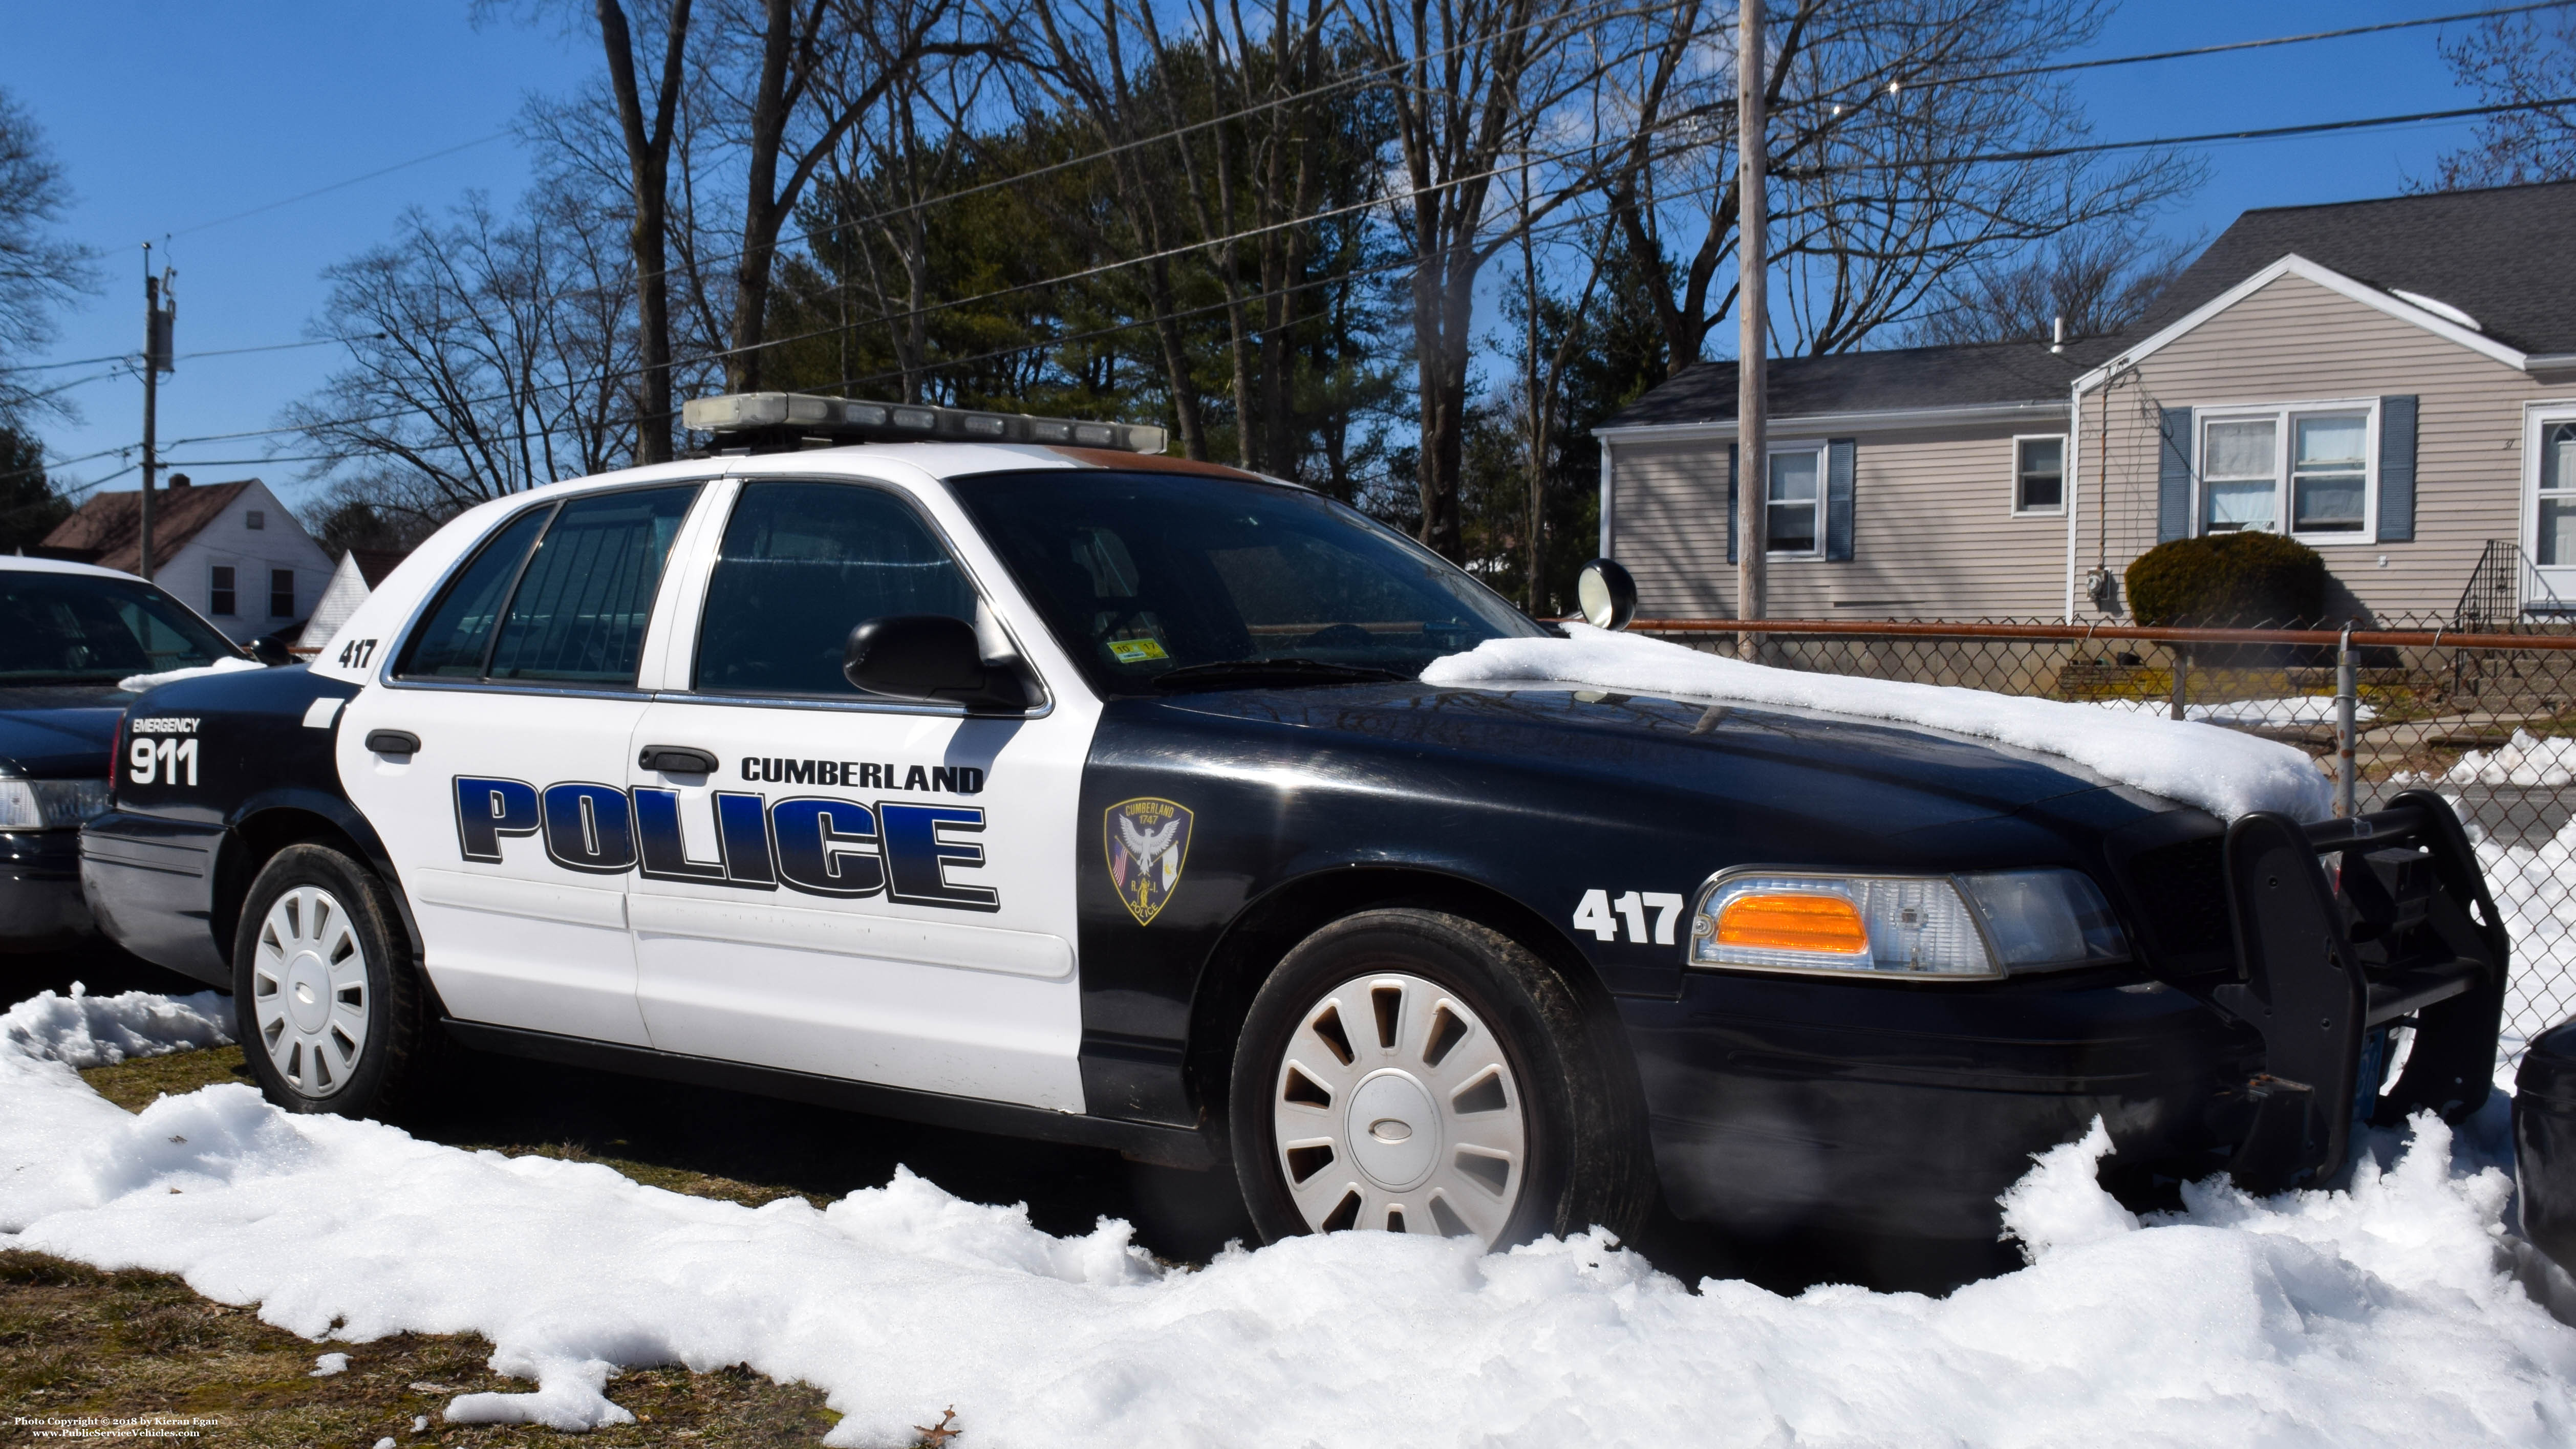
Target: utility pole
157	320
1752	465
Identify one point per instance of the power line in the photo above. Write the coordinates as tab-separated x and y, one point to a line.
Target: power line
1999	157
340	185
1369	73
2090	148
2226	47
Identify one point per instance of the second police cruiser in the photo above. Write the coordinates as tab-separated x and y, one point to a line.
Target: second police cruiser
1019	779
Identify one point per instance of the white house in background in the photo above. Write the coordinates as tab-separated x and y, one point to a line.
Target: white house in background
360	570
231	550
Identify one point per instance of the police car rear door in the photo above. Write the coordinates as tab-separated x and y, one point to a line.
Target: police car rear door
842	884
502	800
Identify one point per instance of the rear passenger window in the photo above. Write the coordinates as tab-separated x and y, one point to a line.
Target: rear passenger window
571	611
801	565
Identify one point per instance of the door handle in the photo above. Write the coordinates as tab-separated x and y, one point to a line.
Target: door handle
677	760
393	742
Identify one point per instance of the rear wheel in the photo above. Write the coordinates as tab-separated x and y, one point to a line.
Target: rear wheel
1412	1071
330	1010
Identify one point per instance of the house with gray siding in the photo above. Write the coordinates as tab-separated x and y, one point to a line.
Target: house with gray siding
2392	382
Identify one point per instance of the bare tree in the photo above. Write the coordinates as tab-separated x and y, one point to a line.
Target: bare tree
1877	112
1103	62
647	142
2515	60
2098	282
798	74
1474	85
39	271
487	354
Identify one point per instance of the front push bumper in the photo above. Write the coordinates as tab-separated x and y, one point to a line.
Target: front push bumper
1780	1105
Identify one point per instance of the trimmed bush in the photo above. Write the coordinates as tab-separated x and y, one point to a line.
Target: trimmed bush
2227	581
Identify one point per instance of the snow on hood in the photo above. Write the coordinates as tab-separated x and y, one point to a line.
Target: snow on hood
137	683
2223	772
2315	1318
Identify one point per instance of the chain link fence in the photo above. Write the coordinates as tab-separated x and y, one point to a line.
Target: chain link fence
2486	719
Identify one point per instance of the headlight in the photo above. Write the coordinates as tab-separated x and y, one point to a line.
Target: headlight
49	804
1975	927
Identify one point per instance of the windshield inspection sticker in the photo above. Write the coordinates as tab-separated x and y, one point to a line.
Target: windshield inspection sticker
1148	842
1137	651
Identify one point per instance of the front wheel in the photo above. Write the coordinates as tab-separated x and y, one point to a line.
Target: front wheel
1412	1071
329	1009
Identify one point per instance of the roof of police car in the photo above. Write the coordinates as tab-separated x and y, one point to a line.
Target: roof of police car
958	460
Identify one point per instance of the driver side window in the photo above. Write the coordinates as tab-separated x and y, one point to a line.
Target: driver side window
800	566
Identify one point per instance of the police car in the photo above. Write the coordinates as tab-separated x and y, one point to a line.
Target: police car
1020	779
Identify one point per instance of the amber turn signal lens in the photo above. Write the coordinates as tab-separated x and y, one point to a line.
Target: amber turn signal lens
1793	922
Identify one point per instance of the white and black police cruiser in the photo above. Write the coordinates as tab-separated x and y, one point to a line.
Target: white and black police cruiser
1019	779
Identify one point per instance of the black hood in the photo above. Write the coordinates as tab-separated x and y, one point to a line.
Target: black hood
60	731
1886	778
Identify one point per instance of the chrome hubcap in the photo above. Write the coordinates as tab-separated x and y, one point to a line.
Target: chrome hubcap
309	991
1395	1109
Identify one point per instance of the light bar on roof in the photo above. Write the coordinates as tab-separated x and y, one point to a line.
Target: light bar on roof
844	420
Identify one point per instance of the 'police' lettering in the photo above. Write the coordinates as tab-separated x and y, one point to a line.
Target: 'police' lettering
487	810
827	847
589	828
657	836
917	859
815	845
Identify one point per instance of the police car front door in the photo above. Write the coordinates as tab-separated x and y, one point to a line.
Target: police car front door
840	885
507	817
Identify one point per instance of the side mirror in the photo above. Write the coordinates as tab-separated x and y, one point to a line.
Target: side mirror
926	657
267	650
1608	594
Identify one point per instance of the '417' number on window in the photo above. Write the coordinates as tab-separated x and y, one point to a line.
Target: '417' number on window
169	761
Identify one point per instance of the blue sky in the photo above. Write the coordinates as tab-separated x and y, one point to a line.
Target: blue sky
169	118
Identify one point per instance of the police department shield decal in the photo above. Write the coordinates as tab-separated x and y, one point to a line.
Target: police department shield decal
1148	842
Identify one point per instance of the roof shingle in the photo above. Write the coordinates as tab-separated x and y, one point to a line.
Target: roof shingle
108	529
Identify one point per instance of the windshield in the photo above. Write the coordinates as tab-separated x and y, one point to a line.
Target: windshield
1162	580
88	629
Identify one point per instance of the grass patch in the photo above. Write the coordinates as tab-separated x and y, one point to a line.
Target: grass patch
137	1084
79	1343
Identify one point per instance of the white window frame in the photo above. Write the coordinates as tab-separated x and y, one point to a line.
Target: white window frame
2282	417
1824	485
2065	452
2537	419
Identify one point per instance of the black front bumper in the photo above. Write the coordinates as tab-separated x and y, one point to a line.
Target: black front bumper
1782	1106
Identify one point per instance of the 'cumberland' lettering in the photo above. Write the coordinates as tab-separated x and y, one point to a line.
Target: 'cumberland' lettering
864	775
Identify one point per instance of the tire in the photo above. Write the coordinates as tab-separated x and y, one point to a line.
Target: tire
1411	1070
331	1014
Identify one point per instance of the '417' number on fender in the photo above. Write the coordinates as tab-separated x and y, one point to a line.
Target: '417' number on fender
169	761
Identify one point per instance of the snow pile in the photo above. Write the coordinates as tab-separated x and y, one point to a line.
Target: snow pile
137	683
2526	760
83	1031
2296	709
2219	770
2318	1318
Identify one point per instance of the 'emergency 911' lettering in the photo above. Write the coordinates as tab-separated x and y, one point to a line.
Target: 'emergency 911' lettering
819	846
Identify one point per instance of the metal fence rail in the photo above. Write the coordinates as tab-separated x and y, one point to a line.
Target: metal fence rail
2486	718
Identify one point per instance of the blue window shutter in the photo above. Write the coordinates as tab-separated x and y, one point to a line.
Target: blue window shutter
2397	470
1730	502
2173	474
1838	499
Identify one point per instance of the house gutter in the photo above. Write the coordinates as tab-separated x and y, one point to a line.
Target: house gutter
1723	429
